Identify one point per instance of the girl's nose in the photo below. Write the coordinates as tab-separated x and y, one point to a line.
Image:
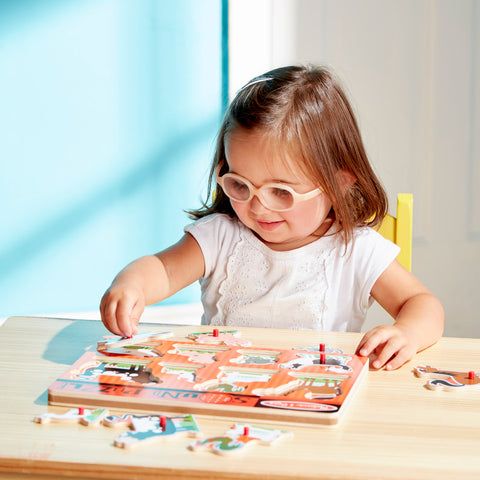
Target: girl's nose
256	206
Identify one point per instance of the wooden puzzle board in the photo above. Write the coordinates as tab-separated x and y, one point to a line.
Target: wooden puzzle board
292	386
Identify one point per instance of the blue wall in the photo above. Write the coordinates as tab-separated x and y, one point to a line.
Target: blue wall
108	116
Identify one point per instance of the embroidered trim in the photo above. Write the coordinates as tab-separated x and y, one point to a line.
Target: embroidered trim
265	288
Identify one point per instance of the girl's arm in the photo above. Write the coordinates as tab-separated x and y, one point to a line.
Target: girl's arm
419	319
149	280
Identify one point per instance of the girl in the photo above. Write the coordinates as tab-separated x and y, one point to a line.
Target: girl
286	240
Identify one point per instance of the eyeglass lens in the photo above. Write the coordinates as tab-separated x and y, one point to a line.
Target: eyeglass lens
274	197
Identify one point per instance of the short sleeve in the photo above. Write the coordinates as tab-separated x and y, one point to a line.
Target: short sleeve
373	254
215	235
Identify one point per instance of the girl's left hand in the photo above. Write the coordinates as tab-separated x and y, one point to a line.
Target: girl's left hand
391	344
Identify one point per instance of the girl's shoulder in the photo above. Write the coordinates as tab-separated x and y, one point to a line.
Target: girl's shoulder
369	235
368	243
217	227
215	221
218	236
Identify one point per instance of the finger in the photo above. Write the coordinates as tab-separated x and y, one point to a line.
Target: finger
402	357
125	316
361	350
364	347
103	308
371	341
135	315
391	348
108	315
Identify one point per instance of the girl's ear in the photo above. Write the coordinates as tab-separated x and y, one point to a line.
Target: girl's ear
345	179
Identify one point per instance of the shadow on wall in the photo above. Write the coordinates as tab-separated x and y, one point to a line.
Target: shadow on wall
65	223
108	120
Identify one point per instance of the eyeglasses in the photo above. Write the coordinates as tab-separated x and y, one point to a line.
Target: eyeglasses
274	196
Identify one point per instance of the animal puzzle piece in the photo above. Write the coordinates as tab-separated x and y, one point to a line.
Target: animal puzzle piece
333	363
322	347
447	379
256	357
89	418
125	369
186	372
317	386
147	429
236	380
134	345
238	437
198	353
226	337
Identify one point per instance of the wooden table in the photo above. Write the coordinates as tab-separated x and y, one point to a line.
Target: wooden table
394	429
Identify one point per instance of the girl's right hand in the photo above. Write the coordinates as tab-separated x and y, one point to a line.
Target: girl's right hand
149	280
121	308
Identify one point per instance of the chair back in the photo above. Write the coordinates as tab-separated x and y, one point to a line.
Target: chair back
399	230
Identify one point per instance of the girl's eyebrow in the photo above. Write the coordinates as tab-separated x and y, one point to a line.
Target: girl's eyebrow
286	182
274	180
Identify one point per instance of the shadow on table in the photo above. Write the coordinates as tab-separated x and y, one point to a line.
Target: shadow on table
73	340
69	344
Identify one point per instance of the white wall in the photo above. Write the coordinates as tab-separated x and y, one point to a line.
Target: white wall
412	68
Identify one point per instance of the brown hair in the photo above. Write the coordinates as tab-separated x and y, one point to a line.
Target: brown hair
304	110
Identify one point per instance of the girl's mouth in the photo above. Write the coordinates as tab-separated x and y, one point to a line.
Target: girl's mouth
269	226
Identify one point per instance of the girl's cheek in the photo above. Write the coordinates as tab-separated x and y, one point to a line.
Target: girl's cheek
240	209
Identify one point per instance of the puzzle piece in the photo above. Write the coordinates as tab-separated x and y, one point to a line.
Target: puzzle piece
236	379
127	370
332	362
198	353
317	348
238	437
144	351
226	337
183	371
446	379
125	345
256	357
89	418
147	429
320	386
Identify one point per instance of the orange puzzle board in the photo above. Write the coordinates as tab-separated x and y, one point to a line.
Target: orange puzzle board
292	386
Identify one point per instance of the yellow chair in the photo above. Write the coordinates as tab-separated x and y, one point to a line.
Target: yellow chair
400	230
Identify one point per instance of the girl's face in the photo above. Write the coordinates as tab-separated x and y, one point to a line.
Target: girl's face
253	158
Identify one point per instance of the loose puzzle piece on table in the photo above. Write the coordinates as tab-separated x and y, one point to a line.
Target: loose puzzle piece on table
89	418
141	345
147	429
300	385
238	437
446	379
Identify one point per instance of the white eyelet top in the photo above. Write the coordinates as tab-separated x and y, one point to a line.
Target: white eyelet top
315	287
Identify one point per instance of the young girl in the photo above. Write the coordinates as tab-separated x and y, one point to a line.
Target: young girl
285	241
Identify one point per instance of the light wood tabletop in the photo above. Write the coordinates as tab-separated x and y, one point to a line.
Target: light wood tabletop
394	428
